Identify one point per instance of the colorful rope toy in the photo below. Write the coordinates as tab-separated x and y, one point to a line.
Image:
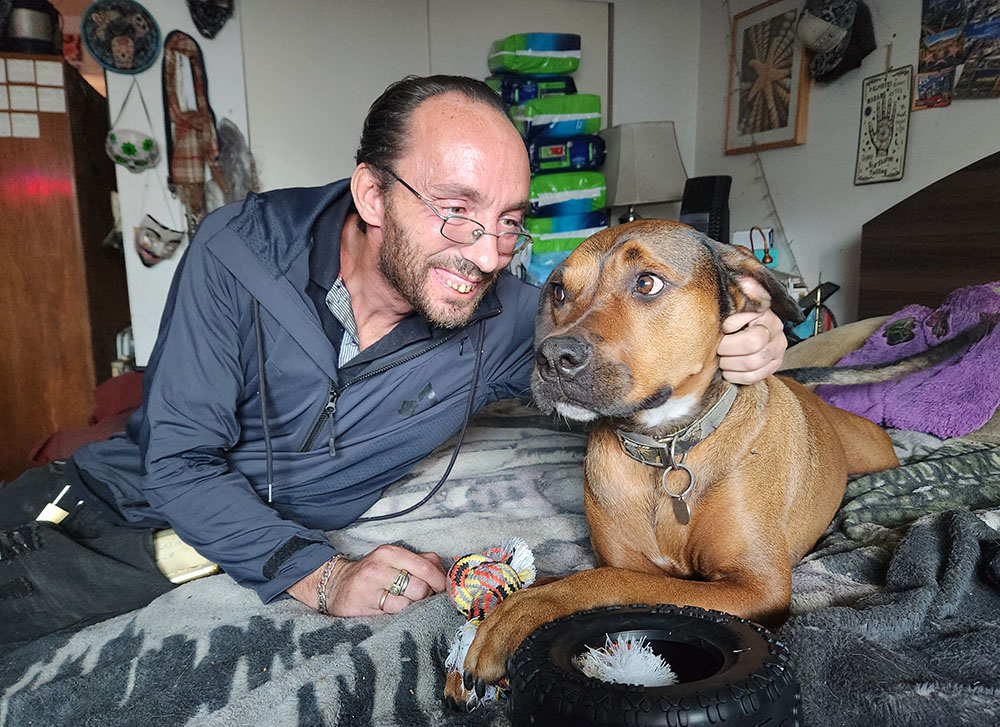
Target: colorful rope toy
476	583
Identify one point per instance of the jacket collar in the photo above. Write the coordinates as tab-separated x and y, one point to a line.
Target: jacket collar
276	228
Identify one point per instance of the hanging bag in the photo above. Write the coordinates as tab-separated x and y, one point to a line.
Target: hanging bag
137	151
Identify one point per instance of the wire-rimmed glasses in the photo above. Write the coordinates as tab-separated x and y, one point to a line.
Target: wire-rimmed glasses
467	231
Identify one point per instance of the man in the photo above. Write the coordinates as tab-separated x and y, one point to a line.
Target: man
318	343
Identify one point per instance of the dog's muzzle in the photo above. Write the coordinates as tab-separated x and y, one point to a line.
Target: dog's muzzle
562	357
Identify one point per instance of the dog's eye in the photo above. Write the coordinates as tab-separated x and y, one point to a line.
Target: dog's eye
558	293
648	284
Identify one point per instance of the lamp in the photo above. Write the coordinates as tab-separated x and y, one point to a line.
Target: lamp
643	165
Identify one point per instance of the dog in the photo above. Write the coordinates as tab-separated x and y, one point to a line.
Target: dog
697	492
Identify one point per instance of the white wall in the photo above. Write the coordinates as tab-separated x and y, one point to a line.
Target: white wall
812	184
654	73
309	83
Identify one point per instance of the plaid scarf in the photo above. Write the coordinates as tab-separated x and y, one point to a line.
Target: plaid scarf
193	142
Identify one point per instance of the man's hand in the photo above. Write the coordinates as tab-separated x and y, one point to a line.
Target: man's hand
356	588
755	342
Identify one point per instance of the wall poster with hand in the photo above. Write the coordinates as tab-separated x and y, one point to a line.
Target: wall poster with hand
885	122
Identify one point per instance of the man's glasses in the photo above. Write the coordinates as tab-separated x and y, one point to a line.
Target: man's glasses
467	231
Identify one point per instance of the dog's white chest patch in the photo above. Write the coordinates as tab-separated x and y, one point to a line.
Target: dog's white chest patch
665	413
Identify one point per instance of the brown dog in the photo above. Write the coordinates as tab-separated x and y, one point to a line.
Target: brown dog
697	492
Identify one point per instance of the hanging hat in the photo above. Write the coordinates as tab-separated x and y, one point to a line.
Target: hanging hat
840	34
121	35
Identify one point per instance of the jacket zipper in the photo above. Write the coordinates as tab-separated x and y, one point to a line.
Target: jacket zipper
330	408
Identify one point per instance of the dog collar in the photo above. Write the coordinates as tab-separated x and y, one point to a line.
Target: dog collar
663	451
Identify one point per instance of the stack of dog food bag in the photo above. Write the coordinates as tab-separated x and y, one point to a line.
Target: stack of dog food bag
532	72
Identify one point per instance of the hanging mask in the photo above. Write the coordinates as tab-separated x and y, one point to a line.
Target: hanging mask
154	242
210	15
134	150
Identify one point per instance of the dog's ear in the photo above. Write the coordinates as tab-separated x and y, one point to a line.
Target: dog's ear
739	262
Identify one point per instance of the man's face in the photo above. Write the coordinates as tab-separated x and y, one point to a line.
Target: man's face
464	159
405	263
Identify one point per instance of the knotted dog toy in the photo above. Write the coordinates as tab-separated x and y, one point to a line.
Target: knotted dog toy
476	583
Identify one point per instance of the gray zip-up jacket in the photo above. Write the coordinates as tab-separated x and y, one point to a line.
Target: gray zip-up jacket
194	456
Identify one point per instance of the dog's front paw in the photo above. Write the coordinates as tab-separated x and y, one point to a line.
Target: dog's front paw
502	631
456	696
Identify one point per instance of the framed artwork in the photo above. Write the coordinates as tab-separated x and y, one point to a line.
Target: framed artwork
885	123
768	102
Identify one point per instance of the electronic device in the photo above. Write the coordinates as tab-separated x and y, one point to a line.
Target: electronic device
705	205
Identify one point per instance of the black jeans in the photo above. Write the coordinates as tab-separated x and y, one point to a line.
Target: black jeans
66	576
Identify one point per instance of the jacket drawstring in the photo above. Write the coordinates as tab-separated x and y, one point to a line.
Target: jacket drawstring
458	445
267	432
262	382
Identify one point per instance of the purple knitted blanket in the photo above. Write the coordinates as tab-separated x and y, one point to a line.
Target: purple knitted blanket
950	400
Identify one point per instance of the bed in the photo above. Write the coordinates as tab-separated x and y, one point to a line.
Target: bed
939	238
895	613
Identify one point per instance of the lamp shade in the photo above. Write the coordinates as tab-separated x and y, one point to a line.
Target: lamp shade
643	164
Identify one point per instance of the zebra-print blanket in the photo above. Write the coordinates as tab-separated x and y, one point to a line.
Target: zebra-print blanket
209	653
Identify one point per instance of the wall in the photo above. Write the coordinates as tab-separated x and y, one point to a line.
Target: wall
309	84
654	76
812	185
330	68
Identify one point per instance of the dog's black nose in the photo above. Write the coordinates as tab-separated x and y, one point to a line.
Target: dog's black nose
564	356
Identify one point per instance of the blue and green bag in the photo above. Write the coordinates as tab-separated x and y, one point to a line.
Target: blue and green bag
553	54
558	117
567	193
540	226
555	238
514	89
577	153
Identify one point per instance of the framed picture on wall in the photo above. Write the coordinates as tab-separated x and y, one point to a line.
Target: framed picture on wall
768	102
885	123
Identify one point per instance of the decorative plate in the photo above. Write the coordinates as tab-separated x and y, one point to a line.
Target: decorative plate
121	35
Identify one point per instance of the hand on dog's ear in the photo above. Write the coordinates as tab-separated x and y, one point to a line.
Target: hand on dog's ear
752	287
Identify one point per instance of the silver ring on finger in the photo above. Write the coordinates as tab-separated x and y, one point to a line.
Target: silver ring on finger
402	581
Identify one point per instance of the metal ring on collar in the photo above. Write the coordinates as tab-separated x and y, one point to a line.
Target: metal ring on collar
687	490
402	581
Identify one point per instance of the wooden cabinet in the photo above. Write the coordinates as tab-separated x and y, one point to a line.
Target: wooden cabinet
63	296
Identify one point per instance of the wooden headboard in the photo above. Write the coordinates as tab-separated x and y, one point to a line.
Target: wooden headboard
943	237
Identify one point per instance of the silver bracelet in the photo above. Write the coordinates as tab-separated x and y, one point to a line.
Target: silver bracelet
324	581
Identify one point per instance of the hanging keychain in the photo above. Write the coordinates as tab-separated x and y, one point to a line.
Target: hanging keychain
137	151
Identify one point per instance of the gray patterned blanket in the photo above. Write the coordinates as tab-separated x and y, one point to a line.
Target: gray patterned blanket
891	621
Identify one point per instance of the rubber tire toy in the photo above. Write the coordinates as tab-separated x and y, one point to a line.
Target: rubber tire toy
730	671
